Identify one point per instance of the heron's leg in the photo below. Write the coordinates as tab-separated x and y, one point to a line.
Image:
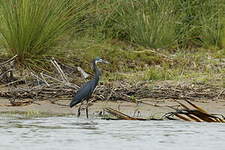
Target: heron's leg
78	111
135	111
87	110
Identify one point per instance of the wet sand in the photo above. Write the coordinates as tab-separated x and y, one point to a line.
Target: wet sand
152	107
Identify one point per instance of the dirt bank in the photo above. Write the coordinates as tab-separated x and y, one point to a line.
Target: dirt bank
151	107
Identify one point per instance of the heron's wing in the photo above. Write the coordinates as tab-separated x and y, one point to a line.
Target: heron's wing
84	92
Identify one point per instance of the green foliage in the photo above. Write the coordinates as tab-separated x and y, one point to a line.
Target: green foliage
31	28
149	23
160	74
162	23
213	24
201	22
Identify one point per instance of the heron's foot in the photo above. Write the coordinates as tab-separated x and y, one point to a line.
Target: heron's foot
137	111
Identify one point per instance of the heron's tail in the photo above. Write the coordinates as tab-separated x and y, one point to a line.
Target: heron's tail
74	102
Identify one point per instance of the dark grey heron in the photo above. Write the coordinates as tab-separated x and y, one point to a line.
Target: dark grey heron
85	92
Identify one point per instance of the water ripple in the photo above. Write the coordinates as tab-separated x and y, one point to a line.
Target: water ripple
69	133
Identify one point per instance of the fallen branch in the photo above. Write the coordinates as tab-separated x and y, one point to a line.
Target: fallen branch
6	62
58	68
44	79
83	73
120	115
67	83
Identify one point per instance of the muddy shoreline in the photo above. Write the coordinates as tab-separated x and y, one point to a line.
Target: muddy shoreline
152	108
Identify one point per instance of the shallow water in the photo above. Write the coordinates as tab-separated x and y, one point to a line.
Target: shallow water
70	133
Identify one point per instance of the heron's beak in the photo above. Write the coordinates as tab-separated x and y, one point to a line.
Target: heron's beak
104	61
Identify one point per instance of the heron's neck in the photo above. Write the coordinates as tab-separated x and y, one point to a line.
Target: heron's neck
96	71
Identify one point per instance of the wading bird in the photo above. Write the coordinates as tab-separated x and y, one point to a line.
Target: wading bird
85	92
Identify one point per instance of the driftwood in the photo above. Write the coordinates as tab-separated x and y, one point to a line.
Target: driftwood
192	113
58	68
195	113
83	73
120	115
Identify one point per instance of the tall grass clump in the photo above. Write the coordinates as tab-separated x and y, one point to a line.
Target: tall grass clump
163	23
213	24
150	23
201	22
31	28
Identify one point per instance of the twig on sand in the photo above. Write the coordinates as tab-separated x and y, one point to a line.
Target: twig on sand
67	83
83	73
11	59
44	79
40	79
220	94
4	73
58	68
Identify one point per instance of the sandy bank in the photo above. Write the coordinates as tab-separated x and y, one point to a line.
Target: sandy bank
152	107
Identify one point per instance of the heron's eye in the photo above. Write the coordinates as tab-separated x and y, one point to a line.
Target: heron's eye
98	60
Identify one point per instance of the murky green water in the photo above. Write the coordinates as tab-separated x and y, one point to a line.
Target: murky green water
70	133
